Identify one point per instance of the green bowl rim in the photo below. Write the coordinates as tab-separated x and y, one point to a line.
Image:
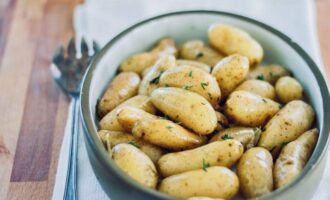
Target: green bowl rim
102	156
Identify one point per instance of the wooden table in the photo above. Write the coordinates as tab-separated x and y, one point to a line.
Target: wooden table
33	110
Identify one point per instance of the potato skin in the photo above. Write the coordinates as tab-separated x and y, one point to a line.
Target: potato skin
247	136
110	122
215	182
150	80
135	164
230	40
166	134
112	138
249	109
191	63
138	62
123	86
230	72
179	104
288	124
128	116
255	172
165	46
261	88
197	50
191	78
288	89
220	153
204	198
270	73
294	157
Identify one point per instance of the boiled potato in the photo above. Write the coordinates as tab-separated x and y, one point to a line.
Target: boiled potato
128	116
192	79
231	40
270	73
220	153
261	88
110	122
138	62
247	136
197	50
124	86
165	46
135	164
230	72
199	65
294	157
287	125
112	138
288	89
204	198
188	108
222	121
255	172
166	134
216	182
249	109
151	80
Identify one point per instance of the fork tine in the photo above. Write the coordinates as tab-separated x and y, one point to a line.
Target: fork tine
58	57
96	47
72	48
84	47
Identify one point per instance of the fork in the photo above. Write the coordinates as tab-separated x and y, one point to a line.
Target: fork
68	72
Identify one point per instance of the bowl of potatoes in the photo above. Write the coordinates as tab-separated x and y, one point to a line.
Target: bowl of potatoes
205	105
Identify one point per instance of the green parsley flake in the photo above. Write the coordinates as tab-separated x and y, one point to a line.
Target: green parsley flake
187	87
260	77
169	127
205	165
199	55
190	74
203	84
226	137
134	144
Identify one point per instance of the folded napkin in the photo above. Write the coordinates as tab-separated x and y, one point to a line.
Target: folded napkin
100	20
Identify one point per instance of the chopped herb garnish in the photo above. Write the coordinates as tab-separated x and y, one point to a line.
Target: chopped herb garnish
226	137
264	100
169	127
156	79
285	143
205	165
187	87
190	74
199	55
165	117
178	123
210	96
274	75
203	84
134	144
166	85
260	77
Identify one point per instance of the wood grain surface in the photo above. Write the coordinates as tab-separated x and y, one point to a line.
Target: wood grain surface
33	110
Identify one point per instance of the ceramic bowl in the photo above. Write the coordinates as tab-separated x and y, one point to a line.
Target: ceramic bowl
184	26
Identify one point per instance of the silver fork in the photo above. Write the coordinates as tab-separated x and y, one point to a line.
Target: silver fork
68	72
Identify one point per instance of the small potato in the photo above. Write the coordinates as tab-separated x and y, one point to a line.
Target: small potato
165	46
188	108
294	157
230	72
112	138
151	80
261	88
135	164
249	109
110	122
222	121
270	73
199	65
197	50
247	136
124	86
192	79
128	116
288	89
255	172
166	134
219	153
215	182
204	198
230	40
138	62
288	124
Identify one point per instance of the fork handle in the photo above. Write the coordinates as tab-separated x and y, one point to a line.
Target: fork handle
70	192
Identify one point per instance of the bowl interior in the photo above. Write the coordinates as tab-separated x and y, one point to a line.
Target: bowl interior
194	25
